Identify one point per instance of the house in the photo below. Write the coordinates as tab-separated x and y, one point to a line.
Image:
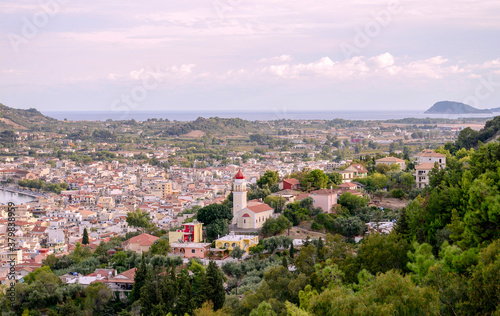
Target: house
123	281
324	199
422	174
231	240
430	156
391	161
291	184
190	249
347	175
348	186
140	243
192	232
359	170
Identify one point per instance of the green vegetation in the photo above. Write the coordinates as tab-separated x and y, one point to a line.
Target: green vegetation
42	185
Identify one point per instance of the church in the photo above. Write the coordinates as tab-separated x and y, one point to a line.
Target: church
251	214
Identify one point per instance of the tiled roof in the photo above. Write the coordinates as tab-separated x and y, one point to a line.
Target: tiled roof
257	207
425	166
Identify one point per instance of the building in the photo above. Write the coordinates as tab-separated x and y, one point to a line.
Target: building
391	161
192	232
347	175
162	189
324	199
251	215
140	243
291	184
231	240
430	156
358	169
422	174
254	215
190	249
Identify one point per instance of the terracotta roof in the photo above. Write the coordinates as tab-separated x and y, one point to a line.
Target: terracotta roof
257	207
323	192
389	159
430	153
425	166
359	167
39	229
125	277
348	185
142	239
292	181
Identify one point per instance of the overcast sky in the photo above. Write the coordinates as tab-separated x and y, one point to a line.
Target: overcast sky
242	55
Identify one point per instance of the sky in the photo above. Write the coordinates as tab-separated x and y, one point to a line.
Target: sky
241	55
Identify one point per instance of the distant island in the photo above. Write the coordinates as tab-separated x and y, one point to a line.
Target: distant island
495	109
450	107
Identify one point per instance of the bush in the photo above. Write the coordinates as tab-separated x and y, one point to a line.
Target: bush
316	226
397	193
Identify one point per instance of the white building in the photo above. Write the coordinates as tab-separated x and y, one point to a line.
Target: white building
250	215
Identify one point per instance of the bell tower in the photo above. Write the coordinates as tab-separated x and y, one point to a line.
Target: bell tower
239	194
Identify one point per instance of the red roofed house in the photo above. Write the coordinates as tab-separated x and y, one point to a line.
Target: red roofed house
123	281
139	244
291	184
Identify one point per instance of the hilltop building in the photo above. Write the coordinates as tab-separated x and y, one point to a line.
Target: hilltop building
251	215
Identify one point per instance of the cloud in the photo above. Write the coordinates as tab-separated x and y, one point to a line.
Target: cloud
383	65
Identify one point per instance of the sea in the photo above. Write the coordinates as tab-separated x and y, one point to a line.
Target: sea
16	198
251	116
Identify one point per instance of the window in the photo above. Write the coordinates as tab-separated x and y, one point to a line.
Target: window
193	250
244	221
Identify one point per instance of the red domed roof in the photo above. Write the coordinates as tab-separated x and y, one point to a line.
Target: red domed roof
239	175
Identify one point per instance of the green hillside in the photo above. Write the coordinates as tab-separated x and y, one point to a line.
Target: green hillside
19	119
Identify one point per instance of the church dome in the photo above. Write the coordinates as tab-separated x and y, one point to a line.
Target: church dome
239	175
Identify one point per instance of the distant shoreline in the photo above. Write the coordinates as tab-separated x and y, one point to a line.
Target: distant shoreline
252	116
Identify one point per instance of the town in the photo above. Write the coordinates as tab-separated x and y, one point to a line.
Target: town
96	206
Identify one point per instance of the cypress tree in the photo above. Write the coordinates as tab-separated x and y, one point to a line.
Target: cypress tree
292	251
85	239
215	285
139	280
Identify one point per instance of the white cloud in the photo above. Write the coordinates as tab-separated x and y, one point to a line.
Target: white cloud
383	65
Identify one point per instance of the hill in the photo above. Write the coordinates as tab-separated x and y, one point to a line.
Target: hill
11	118
215	126
495	110
450	107
469	138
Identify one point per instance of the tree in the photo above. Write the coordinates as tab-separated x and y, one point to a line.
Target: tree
273	227
269	177
264	309
85	239
306	259
139	218
214	287
381	253
237	252
352	202
315	179
161	246
215	217
335	178
141	274
217	228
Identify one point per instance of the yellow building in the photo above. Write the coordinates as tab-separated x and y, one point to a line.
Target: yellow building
162	189
192	232
243	241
